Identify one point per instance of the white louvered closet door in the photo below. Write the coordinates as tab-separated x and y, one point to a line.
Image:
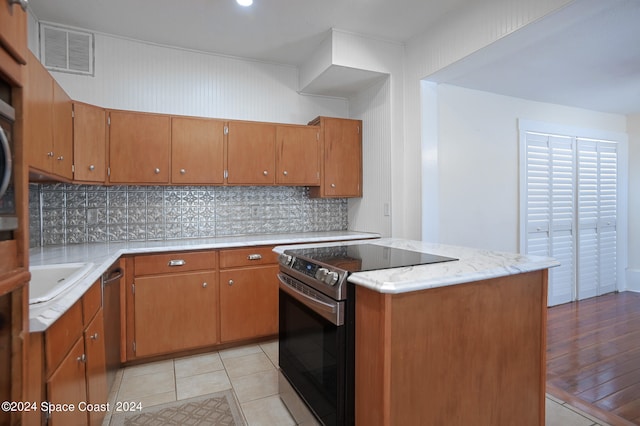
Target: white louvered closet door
571	204
597	181
550	202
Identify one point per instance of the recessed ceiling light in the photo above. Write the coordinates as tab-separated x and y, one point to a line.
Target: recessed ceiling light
245	3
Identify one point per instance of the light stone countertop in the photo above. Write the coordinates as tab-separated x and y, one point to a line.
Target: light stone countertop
103	255
473	265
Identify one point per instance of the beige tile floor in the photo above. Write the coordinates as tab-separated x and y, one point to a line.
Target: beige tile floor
251	372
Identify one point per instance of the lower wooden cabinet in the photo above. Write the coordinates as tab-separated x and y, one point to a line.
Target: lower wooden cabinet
248	303
172	303
67	366
67	385
248	293
184	301
175	312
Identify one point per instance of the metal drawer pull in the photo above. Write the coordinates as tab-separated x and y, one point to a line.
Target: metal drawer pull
177	262
94	336
204	285
254	257
230	282
82	358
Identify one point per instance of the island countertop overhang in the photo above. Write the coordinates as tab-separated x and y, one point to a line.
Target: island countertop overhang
472	265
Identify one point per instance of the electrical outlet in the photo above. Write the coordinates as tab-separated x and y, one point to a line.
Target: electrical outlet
255	211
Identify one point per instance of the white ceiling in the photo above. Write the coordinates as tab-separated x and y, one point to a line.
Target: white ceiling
587	55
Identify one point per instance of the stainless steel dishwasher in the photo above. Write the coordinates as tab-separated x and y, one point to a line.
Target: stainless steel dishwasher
111	281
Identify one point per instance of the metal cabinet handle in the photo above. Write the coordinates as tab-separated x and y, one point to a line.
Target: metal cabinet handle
204	285
61	158
157	171
4	146
183	171
333	185
254	257
82	358
50	154
92	168
177	262
23	3
285	173
231	282
265	173
94	336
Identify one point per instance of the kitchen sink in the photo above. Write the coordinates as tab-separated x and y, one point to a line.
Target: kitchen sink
48	281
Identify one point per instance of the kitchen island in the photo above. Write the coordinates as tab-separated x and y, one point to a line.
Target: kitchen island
455	343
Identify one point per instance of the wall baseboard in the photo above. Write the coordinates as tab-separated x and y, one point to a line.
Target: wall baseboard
633	280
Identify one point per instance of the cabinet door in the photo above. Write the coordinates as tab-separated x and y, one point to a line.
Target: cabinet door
251	153
13	37
67	386
297	155
62	131
175	312
342	162
138	147
97	392
89	143
248	302
197	151
38	108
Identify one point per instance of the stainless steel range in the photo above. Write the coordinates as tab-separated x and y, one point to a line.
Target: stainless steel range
317	321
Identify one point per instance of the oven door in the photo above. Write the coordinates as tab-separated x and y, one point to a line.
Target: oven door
313	349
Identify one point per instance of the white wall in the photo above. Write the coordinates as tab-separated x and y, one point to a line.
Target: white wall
152	78
633	273
454	37
478	161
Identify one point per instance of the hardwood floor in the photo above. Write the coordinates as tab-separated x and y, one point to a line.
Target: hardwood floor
593	356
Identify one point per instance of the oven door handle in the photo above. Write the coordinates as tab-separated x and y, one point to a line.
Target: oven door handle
329	311
4	180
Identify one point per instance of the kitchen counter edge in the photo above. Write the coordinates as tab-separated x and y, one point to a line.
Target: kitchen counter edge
103	255
472	265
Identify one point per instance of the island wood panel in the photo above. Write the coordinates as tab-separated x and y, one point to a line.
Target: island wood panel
457	355
593	356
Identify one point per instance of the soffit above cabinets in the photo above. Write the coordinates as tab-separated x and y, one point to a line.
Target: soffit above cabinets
342	82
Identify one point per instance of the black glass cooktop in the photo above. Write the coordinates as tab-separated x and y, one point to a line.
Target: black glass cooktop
367	257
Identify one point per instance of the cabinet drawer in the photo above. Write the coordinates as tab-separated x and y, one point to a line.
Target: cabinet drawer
167	263
61	335
251	256
91	302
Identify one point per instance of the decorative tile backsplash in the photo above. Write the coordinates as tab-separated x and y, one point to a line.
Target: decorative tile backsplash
71	214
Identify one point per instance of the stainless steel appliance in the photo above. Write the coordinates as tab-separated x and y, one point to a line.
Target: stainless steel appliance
8	217
317	322
111	282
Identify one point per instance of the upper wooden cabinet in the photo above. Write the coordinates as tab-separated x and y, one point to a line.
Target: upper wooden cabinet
13	41
62	133
297	155
89	143
251	153
48	117
341	143
197	151
139	147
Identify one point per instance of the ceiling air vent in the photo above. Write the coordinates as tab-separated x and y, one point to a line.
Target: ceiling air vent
66	50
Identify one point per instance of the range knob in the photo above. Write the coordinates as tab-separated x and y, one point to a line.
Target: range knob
321	274
286	259
331	278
